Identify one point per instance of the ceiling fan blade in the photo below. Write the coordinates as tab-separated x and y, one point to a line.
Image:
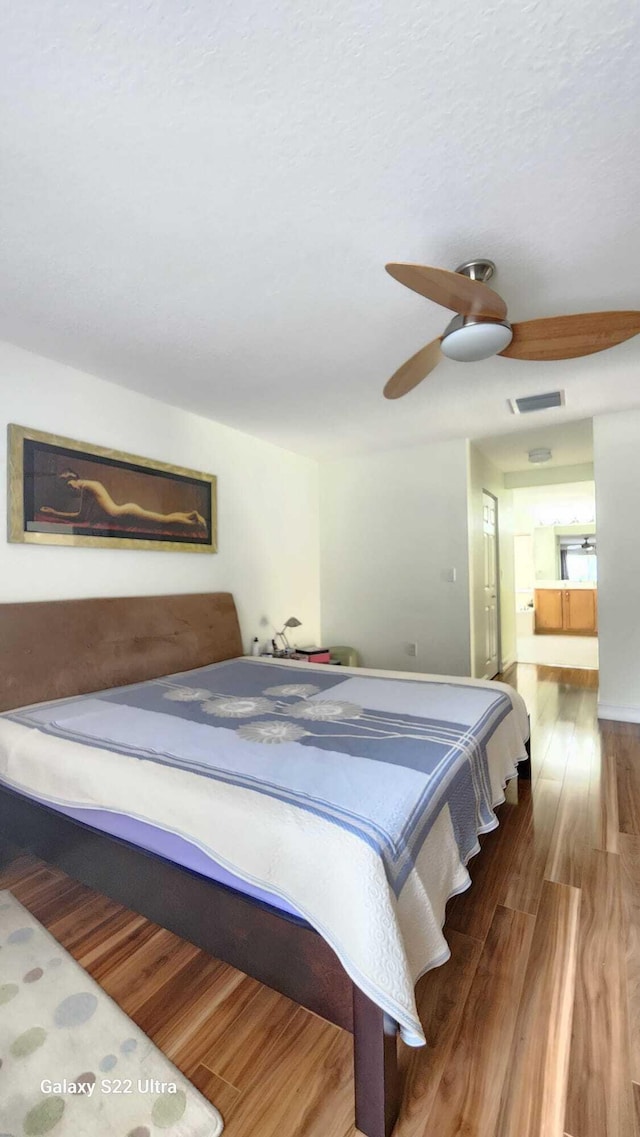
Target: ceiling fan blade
567	337
450	289
413	371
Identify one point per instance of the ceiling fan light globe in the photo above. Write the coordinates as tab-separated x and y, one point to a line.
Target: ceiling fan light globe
469	339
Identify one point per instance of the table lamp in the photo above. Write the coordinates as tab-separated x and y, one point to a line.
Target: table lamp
292	622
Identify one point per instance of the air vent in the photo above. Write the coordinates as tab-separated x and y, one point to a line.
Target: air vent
530	403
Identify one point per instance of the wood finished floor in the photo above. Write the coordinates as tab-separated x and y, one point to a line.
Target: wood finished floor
534	1023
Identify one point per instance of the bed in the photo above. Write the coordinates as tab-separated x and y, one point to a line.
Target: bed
258	785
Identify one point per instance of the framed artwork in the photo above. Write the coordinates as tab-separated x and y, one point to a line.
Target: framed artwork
63	492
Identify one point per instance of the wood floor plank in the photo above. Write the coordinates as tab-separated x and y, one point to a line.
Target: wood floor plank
570	840
562	736
71	925
471	913
599	1100
248	1037
630	866
573	832
511	792
307	1089
543	726
441	996
213	1015
148	970
470	1089
170	1010
30	888
625	755
110	941
587	677
533	1103
204	1039
604	793
522	883
23	866
129	940
216	1032
50	897
215	1089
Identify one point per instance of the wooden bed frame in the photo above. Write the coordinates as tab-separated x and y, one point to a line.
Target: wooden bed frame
55	649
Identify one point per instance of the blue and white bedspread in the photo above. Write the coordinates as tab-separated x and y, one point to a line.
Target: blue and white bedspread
358	797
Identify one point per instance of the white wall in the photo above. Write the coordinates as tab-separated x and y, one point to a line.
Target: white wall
616	447
545	553
483	475
392	526
267	503
549	475
560	504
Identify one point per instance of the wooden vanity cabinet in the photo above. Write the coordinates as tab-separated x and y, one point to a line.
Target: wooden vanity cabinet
548	609
566	611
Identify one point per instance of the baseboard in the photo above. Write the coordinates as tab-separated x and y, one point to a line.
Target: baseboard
507	663
618	713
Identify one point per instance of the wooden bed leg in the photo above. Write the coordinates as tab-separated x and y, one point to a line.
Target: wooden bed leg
376	1069
524	768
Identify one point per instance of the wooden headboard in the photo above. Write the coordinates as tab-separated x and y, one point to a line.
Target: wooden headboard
52	649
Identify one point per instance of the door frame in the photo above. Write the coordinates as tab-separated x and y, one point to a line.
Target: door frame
498	578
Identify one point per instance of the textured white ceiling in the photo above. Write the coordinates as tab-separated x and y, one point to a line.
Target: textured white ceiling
198	200
571	444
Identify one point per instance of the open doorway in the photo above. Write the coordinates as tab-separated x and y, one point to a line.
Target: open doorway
556	571
547	592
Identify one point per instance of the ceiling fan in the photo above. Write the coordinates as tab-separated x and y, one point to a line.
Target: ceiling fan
480	327
587	545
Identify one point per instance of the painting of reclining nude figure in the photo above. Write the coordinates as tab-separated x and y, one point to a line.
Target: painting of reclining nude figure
65	492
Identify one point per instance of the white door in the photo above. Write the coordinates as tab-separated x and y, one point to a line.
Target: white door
491	614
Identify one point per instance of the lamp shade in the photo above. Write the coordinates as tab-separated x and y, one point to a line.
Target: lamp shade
292	622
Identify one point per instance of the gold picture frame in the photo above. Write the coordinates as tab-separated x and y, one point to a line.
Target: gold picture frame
64	492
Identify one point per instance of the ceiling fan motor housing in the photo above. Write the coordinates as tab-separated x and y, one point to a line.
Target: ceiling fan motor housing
469	338
478	269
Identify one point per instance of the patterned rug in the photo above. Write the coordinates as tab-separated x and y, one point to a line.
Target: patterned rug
71	1063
